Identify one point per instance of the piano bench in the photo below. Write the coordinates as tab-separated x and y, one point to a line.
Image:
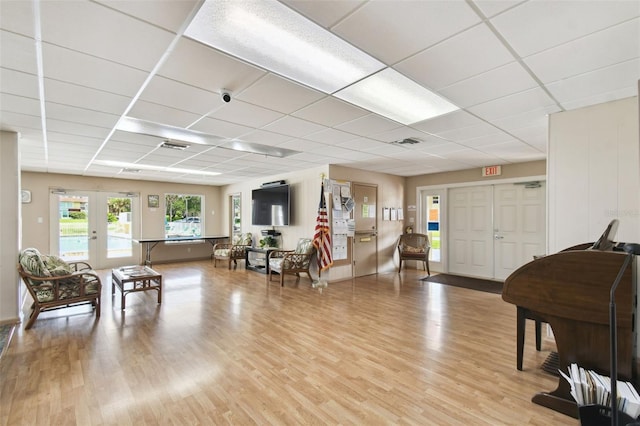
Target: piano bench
525	314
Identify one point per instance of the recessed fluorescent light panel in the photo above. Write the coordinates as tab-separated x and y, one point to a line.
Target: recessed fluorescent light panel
397	97
124	165
270	35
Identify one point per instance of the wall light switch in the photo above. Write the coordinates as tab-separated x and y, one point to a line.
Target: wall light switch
40	220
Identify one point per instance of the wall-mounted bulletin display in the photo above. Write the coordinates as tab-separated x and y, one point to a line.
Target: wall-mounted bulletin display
400	213
386	213
341	217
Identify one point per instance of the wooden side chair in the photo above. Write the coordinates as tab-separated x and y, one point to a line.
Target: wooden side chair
231	252
414	247
292	261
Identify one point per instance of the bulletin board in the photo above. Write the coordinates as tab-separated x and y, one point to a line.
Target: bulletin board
342	223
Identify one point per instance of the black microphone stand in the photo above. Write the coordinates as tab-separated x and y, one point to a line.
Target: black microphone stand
631	250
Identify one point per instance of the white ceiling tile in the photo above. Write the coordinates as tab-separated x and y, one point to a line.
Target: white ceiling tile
245	114
325	13
537	117
557	22
220	128
441	148
106	33
265	138
293	126
301	145
17	17
84	97
162	114
169	14
460	134
330	112
391	33
510	148
466	54
19	104
361	144
198	65
601	49
16	122
18	52
368	125
84	70
399	133
536	136
329	137
513	104
181	96
76	129
492	7
19	83
600	98
80	115
605	80
492	139
447	122
499	82
280	94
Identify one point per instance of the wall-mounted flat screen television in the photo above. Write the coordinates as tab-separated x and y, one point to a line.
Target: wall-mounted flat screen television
270	206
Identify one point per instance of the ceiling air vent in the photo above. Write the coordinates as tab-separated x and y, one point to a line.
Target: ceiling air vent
174	145
407	141
129	170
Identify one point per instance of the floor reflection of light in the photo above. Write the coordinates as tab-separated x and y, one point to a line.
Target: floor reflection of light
433	321
236	302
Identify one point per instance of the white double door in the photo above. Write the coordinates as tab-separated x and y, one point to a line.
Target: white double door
494	229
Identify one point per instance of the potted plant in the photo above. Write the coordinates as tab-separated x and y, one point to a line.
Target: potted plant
268	241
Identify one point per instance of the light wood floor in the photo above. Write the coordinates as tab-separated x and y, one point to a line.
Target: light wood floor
225	348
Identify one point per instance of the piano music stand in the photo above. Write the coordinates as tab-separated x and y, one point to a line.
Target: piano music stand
631	250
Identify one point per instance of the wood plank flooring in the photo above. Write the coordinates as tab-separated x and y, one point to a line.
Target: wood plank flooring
226	348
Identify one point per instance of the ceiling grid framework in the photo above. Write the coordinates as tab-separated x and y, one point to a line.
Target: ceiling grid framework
71	71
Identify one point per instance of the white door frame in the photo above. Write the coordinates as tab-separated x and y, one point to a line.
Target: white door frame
444	212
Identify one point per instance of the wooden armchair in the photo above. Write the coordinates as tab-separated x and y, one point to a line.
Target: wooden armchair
54	283
231	252
292	261
414	247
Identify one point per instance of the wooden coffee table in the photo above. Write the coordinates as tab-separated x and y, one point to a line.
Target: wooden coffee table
130	279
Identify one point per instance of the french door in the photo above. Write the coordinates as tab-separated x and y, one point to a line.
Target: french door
95	227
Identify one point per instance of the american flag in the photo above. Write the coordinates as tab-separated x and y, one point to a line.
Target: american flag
322	236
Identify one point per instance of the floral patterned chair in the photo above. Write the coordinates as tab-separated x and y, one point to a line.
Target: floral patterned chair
292	261
231	252
54	283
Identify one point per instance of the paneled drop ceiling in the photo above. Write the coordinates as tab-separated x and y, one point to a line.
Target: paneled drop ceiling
72	70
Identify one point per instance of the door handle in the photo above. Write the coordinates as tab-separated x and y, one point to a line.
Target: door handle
498	237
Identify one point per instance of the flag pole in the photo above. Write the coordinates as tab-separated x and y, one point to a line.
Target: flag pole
321	238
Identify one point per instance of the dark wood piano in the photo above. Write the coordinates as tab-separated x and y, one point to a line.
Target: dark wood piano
570	291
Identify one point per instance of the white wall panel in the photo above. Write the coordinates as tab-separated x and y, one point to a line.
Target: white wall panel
594	173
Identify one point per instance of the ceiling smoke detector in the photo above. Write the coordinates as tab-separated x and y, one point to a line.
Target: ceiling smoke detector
407	141
174	145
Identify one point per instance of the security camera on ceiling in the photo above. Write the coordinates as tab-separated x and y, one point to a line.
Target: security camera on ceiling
226	95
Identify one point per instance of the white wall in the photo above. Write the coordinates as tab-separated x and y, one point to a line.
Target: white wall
593	173
10	227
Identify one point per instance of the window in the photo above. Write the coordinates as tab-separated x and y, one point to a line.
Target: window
183	215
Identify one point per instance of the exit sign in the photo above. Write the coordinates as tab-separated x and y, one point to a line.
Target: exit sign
492	171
